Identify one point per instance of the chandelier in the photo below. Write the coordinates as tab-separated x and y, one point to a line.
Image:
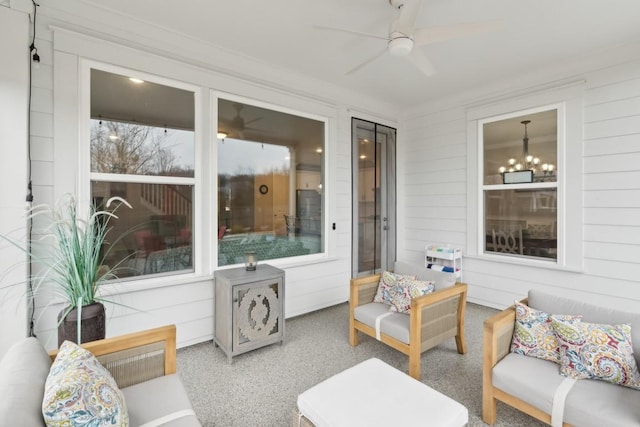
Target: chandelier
527	161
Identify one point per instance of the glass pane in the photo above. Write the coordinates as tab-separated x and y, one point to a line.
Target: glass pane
369	158
270	196
527	142
155	236
521	222
140	128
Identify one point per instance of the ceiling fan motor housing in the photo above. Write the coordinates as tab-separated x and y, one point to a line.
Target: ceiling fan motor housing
400	45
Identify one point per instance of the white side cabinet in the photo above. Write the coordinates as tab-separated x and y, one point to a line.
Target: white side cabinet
444	258
249	308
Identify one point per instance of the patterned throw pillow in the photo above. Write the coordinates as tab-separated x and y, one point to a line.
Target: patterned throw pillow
401	300
387	285
79	391
534	335
597	351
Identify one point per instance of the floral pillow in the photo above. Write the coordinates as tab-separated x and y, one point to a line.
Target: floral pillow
597	351
408	289
387	286
79	391
534	335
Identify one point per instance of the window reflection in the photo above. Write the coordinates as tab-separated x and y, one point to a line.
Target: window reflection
522	222
153	237
520	185
143	129
269	183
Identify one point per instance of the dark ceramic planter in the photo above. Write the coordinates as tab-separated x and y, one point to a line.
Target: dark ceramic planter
92	324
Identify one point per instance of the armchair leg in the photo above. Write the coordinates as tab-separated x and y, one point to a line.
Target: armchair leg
353	334
461	343
414	363
488	407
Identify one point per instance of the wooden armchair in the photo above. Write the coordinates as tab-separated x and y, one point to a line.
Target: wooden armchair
136	357
433	319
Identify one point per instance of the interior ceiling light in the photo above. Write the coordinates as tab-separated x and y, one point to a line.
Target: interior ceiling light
527	161
222	135
138	81
319	150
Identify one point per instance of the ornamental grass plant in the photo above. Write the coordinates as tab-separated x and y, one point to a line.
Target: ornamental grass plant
70	252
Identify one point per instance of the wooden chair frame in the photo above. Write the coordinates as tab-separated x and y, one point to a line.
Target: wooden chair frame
497	335
425	330
152	351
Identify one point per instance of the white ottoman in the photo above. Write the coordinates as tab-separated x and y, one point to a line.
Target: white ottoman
373	393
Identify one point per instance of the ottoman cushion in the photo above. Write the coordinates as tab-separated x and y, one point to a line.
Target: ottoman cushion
374	393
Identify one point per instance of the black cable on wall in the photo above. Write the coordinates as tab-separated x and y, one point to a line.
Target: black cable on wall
34	59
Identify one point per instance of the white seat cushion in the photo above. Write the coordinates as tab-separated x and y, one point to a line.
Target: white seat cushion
372	394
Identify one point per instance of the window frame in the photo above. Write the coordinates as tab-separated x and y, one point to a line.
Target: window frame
557	184
568	95
292	261
87	176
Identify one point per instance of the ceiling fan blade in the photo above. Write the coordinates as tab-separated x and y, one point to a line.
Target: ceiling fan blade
420	60
344	30
368	61
408	14
248	122
424	36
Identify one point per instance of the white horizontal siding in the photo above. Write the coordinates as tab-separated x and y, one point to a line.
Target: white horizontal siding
433	166
190	305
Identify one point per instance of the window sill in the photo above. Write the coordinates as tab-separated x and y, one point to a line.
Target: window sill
154	282
526	262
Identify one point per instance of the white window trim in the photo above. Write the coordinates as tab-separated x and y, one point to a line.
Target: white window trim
570	137
325	254
86	176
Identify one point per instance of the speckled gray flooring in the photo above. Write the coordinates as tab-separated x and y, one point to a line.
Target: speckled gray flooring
260	388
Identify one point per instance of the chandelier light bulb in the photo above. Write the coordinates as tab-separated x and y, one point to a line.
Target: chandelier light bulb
502	169
536	160
551	168
512	162
518	166
511	169
529	158
545	167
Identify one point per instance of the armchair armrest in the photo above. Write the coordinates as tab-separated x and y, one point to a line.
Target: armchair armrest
136	357
363	289
497	334
440	312
498	331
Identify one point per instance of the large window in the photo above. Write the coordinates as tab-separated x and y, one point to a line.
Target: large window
142	149
270	176
520	185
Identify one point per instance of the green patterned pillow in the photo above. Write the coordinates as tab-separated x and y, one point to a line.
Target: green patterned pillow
597	351
387	286
533	334
79	391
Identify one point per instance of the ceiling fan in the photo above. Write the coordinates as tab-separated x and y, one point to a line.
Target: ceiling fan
236	126
403	37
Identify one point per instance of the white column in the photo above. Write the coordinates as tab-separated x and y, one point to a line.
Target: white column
14	84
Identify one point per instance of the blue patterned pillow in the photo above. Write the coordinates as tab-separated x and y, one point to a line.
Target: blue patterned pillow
387	286
80	392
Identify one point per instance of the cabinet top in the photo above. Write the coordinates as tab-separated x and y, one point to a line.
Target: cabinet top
262	271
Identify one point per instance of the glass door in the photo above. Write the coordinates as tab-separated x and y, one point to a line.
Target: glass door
374	225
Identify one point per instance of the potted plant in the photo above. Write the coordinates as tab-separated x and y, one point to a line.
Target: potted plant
70	256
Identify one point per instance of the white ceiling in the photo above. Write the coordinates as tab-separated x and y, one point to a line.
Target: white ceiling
534	35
